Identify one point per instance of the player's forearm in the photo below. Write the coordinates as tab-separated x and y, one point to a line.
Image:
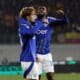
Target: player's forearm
26	30
60	21
36	28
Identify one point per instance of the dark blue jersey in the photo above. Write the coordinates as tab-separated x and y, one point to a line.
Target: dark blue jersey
27	33
44	34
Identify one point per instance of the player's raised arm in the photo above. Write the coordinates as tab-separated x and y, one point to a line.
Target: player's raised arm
62	20
26	28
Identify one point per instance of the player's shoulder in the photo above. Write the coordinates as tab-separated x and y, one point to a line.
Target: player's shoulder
52	18
22	20
23	23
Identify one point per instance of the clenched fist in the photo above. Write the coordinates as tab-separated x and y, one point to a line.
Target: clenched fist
60	12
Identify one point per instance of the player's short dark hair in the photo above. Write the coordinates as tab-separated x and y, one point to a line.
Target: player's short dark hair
26	11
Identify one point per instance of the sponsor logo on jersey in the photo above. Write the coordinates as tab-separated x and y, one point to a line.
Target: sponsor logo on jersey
42	31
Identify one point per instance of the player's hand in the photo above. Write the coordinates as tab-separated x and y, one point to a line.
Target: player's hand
39	59
60	12
45	21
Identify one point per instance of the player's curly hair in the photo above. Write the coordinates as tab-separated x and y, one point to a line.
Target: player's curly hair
26	11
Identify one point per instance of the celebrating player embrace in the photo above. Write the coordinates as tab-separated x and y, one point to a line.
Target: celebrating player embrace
35	35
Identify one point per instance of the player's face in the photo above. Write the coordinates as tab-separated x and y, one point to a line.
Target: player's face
42	11
32	17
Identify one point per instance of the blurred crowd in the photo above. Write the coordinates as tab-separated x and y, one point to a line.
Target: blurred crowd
9	10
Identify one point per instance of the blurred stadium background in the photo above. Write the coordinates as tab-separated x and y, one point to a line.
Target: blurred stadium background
65	42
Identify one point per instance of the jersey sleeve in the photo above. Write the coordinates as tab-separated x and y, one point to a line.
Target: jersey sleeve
58	21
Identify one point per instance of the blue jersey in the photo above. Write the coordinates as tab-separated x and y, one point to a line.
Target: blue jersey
44	34
27	39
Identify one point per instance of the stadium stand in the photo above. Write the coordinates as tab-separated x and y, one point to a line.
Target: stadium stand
9	11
